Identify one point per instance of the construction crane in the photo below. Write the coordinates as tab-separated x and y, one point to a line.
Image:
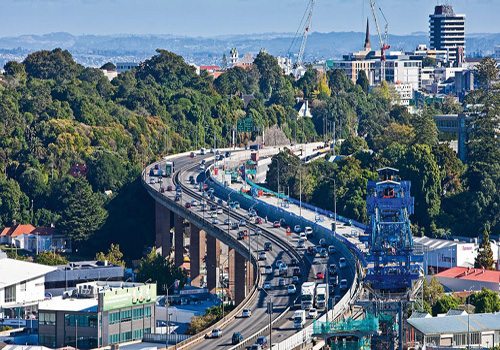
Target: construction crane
303	31
381	37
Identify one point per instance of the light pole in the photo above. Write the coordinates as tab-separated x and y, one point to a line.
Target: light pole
270	312
300	189
167	304
468	317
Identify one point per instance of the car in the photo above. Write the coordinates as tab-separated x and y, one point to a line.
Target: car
295	279
333	281
320	275
194	203
332	269
187	205
220	201
162	189
235	226
262	256
331	249
213	214
169	188
268	269
191	177
342	262
303	236
296	271
313	313
152	180
255	347
203	161
241	235
322	243
293	261
268	246
258	220
291	289
177	198
281	282
157	166
192	155
297	228
236	205
343	284
283	269
311	250
211	190
258	232
301	244
323	253
243	222
246	313
202	167
215	221
216	333
213	207
262	341
308	230
276	224
236	338
219	211
267	285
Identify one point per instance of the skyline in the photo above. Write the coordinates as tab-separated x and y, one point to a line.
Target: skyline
226	17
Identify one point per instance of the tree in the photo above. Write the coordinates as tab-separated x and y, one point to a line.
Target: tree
224	63
426	132
106	171
444	304
82	212
14	204
109	66
485	301
55	64
484	258
487	72
433	290
156	268
113	256
362	81
352	145
51	259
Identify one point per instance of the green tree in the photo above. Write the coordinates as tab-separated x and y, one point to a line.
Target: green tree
485	301
433	290
82	212
444	304
106	171
55	64
156	268
484	258
51	259
487	71
362	81
113	256
14	204
270	73
352	145
426	132
109	66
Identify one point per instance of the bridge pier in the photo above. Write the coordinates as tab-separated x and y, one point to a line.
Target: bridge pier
179	240
231	272
212	262
240	278
197	251
163	225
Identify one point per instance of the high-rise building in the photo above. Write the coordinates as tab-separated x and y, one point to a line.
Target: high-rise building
447	31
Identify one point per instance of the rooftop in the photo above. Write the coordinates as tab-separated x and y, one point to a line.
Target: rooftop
14	271
457	323
471	274
17	230
434	243
69	304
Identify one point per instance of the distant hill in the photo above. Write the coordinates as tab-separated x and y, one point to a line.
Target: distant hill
94	50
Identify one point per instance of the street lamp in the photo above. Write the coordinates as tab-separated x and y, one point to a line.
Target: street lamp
468	317
270	312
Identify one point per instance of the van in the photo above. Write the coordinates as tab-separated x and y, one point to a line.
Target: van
299	319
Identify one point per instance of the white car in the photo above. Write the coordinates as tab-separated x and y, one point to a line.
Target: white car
313	313
291	289
262	256
268	270
152	180
342	262
301	244
216	333
215	221
220	211
308	230
246	313
194	203
303	236
213	214
227	222
267	286
297	228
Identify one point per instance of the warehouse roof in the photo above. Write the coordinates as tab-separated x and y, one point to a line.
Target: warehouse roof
13	271
457	323
471	274
433	243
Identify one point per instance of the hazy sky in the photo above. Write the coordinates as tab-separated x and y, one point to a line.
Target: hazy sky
219	17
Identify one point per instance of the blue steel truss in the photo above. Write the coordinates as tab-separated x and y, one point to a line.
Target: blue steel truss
389	205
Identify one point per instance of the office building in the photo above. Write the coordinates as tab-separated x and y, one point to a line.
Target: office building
98	314
21	287
405	93
447	32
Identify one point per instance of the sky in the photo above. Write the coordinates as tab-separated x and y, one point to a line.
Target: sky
223	17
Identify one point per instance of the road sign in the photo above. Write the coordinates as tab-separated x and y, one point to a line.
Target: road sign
245	125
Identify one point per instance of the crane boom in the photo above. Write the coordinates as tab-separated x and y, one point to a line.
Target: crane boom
305	34
382	39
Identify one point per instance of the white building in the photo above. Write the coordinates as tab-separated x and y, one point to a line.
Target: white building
405	93
21	286
447	31
285	64
122	67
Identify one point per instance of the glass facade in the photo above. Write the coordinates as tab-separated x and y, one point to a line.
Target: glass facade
81	320
47	318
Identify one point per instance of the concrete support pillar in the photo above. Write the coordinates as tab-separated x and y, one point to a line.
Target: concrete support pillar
240	278
212	262
163	225
250	275
197	251
232	271
179	241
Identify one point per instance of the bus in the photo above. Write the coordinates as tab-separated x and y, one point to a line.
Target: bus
169	169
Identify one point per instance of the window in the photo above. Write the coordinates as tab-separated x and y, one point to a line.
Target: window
137	334
80	320
114	338
47	318
137	314
126	336
47	340
147	330
114	317
22	286
147	311
126	315
10	294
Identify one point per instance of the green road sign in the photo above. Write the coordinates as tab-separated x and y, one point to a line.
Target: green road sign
245	125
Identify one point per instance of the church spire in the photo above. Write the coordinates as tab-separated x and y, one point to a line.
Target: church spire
367	45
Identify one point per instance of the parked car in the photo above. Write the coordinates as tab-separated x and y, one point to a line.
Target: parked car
295	279
331	249
323	253
308	230
281	282
322	243
296	271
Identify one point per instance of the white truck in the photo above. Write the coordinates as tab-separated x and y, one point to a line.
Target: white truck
321	296
307	295
299	319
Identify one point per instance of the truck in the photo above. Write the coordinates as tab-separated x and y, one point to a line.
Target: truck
169	169
299	319
307	295
321	296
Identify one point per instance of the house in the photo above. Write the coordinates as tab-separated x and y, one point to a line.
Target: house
21	286
469	279
34	239
303	110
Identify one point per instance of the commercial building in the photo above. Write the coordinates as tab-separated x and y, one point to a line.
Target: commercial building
454	331
405	93
458	279
447	32
98	314
67	276
21	287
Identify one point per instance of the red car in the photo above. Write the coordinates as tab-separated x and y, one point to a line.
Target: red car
258	220
320	276
276	224
169	188
187	205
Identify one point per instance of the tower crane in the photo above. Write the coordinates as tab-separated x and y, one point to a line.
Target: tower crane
303	30
381	37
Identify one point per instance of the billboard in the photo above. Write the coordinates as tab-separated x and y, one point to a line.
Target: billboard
127	296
